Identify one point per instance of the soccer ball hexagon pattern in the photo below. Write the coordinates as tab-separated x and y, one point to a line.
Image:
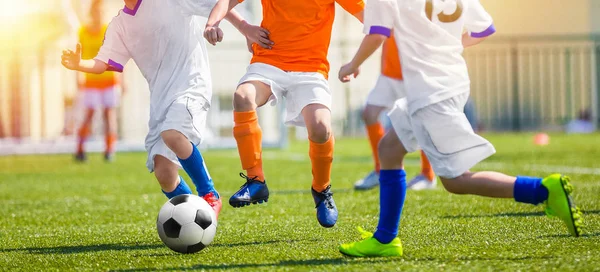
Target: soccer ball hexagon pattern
186	224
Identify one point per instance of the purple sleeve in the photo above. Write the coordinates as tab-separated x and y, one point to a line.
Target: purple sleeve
380	30
486	33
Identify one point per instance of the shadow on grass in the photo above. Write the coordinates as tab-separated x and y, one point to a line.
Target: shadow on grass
261	243
82	249
476	258
123	247
508	214
341	261
596	234
288	263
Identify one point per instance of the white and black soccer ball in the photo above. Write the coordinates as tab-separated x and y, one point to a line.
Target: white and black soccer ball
186	224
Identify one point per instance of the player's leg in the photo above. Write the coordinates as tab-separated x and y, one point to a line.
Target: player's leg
317	118
255	89
248	135
554	190
110	102
90	101
450	143
110	133
393	147
381	97
384	242
375	132
166	173
180	133
426	179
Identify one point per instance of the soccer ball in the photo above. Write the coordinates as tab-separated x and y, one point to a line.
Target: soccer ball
186	224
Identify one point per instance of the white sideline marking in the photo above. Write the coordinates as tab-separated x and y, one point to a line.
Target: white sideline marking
566	169
545	168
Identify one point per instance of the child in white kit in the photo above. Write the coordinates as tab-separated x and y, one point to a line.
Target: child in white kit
165	40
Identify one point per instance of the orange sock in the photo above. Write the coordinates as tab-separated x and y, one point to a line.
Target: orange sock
111	140
375	132
321	158
426	169
248	136
82	134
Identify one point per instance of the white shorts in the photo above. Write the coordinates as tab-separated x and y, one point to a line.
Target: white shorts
105	98
386	91
443	132
186	115
300	89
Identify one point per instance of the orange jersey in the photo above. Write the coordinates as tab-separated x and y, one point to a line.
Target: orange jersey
390	60
301	31
90	45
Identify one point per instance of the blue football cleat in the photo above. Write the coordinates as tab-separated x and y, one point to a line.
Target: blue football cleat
253	191
327	213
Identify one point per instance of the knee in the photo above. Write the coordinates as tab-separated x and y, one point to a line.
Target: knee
453	185
173	138
319	132
390	150
243	100
370	115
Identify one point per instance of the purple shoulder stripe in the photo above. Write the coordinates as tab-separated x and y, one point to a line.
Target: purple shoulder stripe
380	30
114	66
133	11
489	31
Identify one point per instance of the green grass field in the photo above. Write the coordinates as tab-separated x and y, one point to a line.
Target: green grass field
58	215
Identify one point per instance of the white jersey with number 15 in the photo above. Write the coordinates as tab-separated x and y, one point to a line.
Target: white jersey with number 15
429	37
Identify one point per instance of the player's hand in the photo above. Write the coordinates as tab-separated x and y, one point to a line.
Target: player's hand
213	34
70	59
258	35
347	71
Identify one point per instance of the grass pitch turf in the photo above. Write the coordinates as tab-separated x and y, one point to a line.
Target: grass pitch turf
59	215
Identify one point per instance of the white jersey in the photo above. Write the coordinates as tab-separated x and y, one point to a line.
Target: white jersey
165	40
429	37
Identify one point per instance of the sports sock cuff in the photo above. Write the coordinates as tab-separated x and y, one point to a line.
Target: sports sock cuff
244	116
194	156
375	126
390	176
181	189
322	149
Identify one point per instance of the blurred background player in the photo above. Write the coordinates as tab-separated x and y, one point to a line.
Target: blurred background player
295	68
431	36
96	90
387	90
164	40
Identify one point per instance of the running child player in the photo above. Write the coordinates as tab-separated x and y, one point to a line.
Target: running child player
430	37
164	39
387	90
295	68
97	90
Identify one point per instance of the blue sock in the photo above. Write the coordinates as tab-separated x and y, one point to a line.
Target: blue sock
392	190
194	166
530	190
181	189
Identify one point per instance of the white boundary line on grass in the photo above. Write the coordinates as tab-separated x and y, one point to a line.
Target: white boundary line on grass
564	169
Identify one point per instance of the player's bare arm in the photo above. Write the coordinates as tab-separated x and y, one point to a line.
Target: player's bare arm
224	10
72	61
468	40
253	33
368	46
